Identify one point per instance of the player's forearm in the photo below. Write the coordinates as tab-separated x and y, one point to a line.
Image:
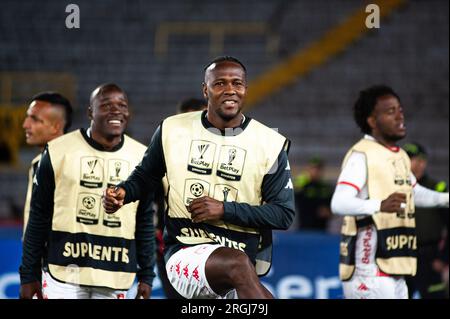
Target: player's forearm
268	216
145	241
424	197
147	176
136	186
146	258
345	202
278	211
33	249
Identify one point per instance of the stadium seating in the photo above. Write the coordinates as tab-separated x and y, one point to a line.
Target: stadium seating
116	43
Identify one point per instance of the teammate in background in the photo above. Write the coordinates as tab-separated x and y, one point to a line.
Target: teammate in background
229	185
87	253
49	116
312	197
377	193
185	106
431	227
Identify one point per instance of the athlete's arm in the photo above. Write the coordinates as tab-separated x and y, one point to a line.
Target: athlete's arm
351	181
144	179
346	202
425	197
39	223
347	199
147	176
145	246
277	210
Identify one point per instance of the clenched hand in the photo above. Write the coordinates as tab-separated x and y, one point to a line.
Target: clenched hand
205	208
143	291
393	204
113	199
29	290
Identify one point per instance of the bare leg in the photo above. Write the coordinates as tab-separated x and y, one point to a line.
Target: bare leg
228	269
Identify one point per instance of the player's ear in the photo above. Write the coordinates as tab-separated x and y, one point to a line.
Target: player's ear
205	90
372	122
89	112
59	126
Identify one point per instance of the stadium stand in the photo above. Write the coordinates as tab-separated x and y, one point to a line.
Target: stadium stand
116	42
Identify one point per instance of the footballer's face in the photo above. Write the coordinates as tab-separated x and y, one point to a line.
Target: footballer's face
109	113
42	123
387	120
225	89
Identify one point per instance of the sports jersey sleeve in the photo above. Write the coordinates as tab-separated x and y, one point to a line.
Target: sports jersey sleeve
31	174
277	210
147	176
354	172
424	197
39	222
145	240
351	182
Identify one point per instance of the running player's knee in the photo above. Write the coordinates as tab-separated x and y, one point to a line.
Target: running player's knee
241	269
